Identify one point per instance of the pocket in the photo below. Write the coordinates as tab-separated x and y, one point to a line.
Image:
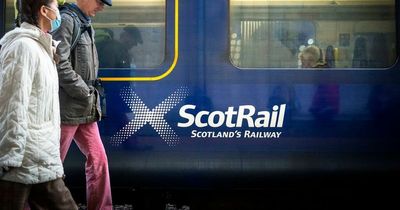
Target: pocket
73	107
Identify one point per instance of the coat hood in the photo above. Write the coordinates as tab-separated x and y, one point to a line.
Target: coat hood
29	31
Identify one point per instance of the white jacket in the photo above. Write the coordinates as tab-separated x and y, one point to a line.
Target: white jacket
29	107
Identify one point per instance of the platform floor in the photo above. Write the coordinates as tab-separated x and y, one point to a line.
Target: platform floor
251	199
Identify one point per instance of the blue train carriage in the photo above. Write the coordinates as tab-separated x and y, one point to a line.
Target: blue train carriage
212	93
217	91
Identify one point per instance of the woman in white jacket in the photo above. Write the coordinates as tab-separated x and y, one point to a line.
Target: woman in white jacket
30	166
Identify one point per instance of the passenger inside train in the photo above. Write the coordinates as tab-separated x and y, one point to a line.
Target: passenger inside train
311	57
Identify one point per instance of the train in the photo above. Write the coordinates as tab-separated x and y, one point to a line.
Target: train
214	96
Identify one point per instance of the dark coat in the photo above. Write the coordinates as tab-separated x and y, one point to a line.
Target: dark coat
77	69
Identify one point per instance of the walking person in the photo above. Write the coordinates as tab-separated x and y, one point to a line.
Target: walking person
79	99
30	165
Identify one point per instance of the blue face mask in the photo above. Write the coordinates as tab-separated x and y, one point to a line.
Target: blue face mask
56	23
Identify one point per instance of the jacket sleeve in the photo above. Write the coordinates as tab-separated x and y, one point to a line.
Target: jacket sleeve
69	80
18	74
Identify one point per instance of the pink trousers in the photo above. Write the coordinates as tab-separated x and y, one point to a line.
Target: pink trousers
87	137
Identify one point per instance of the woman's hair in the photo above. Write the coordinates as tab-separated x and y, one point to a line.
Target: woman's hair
28	10
311	53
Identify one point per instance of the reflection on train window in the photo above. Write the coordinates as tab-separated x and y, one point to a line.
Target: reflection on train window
350	34
131	34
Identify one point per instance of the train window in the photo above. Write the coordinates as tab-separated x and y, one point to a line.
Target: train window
349	34
131	34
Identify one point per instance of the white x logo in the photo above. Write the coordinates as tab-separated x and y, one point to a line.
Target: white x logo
155	117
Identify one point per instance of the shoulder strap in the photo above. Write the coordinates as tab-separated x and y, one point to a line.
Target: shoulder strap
79	28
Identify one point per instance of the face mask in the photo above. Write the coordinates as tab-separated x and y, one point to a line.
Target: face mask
56	23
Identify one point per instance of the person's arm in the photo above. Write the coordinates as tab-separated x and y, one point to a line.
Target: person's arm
18	76
69	80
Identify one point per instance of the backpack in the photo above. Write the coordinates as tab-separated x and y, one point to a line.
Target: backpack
79	28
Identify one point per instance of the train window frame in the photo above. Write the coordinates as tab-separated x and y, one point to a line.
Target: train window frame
164	67
392	42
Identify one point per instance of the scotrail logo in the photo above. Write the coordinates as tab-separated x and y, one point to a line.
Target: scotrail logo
154	117
245	113
232	118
